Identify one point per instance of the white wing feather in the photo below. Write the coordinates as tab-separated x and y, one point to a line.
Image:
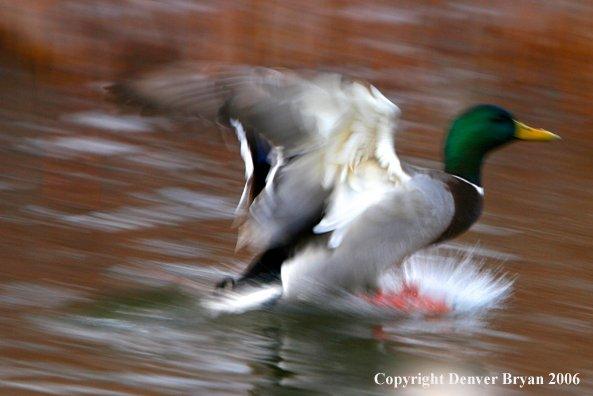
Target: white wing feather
357	124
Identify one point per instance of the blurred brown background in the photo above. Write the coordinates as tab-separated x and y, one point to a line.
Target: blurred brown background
81	195
433	58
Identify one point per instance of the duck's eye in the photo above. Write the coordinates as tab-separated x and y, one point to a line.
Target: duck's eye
499	119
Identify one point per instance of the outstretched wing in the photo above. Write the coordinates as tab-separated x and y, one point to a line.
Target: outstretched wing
261	99
322	127
296	111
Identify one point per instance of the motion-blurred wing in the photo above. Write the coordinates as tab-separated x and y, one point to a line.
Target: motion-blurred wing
296	111
264	101
344	125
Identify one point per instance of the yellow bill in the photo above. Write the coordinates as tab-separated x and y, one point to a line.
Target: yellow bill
525	132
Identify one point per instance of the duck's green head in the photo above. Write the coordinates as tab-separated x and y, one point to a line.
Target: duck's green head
477	131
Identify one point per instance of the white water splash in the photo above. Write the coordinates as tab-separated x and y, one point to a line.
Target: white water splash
461	280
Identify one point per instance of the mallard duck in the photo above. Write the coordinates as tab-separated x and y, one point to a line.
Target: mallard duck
327	201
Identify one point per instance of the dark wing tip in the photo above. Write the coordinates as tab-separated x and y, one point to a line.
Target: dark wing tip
185	90
123	95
